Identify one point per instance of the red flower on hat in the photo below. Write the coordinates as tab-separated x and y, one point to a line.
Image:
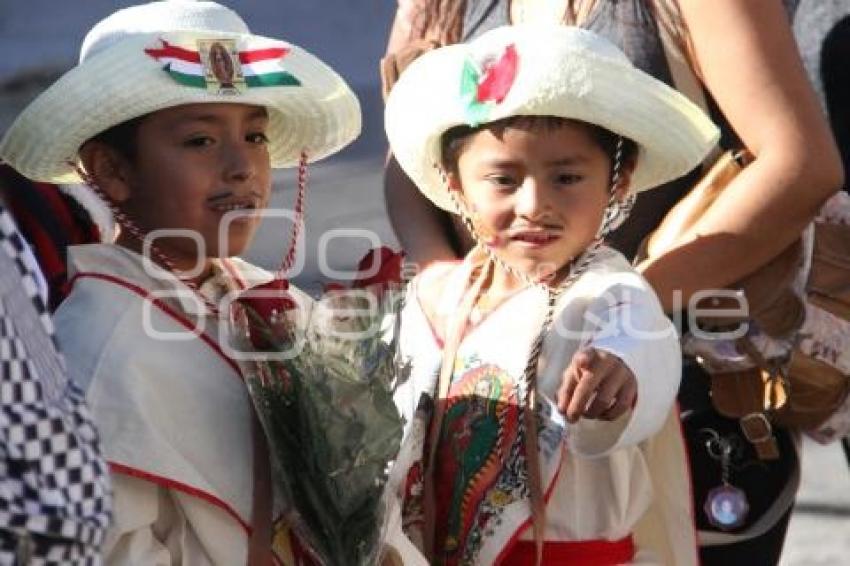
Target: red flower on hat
498	76
481	89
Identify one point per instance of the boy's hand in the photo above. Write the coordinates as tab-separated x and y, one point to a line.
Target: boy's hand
596	385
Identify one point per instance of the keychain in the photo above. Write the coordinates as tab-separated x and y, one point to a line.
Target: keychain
726	506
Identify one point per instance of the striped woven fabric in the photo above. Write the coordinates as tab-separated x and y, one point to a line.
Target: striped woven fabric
50	221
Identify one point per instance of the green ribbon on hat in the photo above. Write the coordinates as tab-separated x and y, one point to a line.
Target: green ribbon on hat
475	112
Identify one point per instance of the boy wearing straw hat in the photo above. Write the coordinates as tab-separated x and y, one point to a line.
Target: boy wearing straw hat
182	152
540	422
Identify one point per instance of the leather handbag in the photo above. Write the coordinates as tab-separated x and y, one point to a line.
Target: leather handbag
771	301
795	373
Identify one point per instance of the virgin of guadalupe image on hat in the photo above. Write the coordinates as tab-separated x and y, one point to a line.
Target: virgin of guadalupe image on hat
222	70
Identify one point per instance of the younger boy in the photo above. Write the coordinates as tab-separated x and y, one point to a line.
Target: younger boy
540	422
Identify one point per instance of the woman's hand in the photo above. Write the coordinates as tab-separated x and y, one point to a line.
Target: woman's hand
596	385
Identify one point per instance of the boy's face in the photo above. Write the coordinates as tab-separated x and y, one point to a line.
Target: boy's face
193	164
536	194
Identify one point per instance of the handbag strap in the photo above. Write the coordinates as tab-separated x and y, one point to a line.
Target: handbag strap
454	336
756	426
685	80
529	415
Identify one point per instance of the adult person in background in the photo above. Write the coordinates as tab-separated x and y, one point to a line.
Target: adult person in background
835	86
822	31
745	56
55	500
835	79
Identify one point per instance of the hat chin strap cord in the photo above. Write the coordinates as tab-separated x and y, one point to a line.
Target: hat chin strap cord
615	213
126	223
300	205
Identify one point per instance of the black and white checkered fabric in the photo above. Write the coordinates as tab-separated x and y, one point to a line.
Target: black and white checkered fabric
54	485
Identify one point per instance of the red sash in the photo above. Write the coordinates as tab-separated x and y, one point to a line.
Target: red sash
580	553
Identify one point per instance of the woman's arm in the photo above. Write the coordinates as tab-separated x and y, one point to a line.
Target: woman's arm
749	62
419	225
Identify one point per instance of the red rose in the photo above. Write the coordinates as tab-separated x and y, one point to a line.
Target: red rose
498	76
388	264
333	286
273	299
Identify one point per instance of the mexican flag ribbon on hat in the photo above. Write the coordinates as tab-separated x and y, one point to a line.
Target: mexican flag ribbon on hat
259	67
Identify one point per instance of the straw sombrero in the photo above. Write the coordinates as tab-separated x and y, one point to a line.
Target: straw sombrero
544	71
158	55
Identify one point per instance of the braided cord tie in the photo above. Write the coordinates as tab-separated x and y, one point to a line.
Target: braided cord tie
300	204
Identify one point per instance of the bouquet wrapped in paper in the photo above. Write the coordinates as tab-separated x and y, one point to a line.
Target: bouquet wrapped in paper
320	377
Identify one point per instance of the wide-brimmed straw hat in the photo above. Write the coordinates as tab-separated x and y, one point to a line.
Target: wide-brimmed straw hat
163	54
538	70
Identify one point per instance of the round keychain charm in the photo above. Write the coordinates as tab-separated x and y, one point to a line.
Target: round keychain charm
726	507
